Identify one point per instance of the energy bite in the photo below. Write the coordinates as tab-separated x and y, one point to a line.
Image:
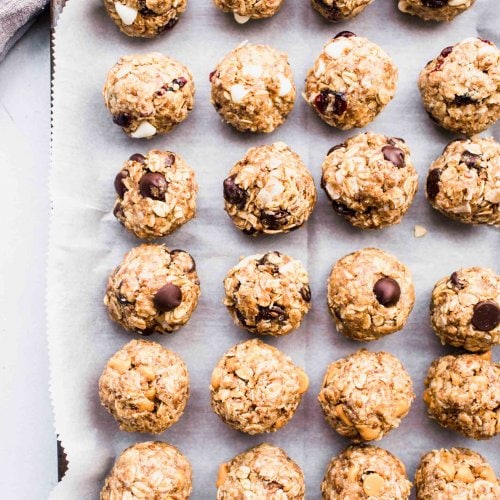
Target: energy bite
362	472
463	394
435	10
149	470
460	88
253	89
255	388
244	10
264	472
154	289
365	395
156	194
464	182
370	180
148	94
370	294
351	81
465	309
269	191
145	387
339	10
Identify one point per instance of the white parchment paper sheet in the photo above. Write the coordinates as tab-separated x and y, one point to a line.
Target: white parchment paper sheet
87	242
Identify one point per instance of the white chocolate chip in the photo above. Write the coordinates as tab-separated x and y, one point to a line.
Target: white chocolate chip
419	231
253	70
473	148
145	129
285	86
456	3
241	19
238	93
127	14
336	48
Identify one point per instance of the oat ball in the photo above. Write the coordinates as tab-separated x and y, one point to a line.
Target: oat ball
435	10
244	10
366	394
145	18
351	81
253	89
464	182
255	388
455	473
268	294
148	94
145	387
463	394
370	180
264	472
154	289
370	294
156	194
461	87
362	472
339	10
149	470
465	309
269	191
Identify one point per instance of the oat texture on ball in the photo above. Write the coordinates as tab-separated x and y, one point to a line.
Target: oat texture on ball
435	10
370	180
351	81
366	395
244	10
460	88
340	10
154	289
269	191
253	88
152	469
148	94
255	388
145	387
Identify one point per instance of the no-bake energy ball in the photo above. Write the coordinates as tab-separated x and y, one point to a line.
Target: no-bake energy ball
145	387
365	395
370	180
149	470
351	81
435	10
154	289
463	394
461	87
244	10
148	94
255	388
253	89
370	294
362	472
269	191
264	472
156	194
464	182
465	309
339	10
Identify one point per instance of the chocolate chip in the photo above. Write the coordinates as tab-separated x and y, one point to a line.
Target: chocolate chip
451	142
264	261
486	316
387	291
233	194
170	24
138	158
122	119
250	231
471	160
121	299
169	159
144	10
305	293
329	99
183	253
393	141
153	185
271	313
344	33
461	100
274	220
395	155
211	75
181	81
146	332
435	4
432	185
120	187
331	12
118	212
342	209
456	281
334	148
241	318
168	297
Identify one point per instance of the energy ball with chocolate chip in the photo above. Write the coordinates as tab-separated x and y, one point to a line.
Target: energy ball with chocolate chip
269	191
370	294
435	10
255	388
370	180
264	472
365	395
149	470
464	182
363	471
463	394
253	89
268	294
244	10
148	94
145	387
154	289
460	87
339	10
351	81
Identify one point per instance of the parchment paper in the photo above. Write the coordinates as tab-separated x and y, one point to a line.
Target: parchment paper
86	242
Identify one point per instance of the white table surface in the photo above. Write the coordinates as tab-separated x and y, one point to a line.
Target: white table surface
27	439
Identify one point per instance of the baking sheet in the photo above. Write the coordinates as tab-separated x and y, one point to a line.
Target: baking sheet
86	242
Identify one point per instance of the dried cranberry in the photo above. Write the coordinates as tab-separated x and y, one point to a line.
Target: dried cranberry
181	81
211	75
122	119
432	185
346	34
274	220
233	194
471	160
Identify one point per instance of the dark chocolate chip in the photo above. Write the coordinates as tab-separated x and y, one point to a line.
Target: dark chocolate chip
169	159
138	158
455	280
395	155
181	81
329	99
211	75
342	209
432	185
271	313
331	12
486	316
118	212
241	318
170	24
334	148
233	194
120	187
393	141
274	220
471	160
121	299
168	297
122	119
144	10
146	332
250	231
435	4
305	293
344	33
153	185
451	142
177	251
387	291
461	100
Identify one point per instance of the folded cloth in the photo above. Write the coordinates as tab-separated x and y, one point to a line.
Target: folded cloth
16	17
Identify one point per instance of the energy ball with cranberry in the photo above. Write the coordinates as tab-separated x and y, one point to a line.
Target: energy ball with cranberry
154	289
253	89
351	81
244	10
339	10
269	191
145	18
435	10
460	88
370	180
148	94
370	294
